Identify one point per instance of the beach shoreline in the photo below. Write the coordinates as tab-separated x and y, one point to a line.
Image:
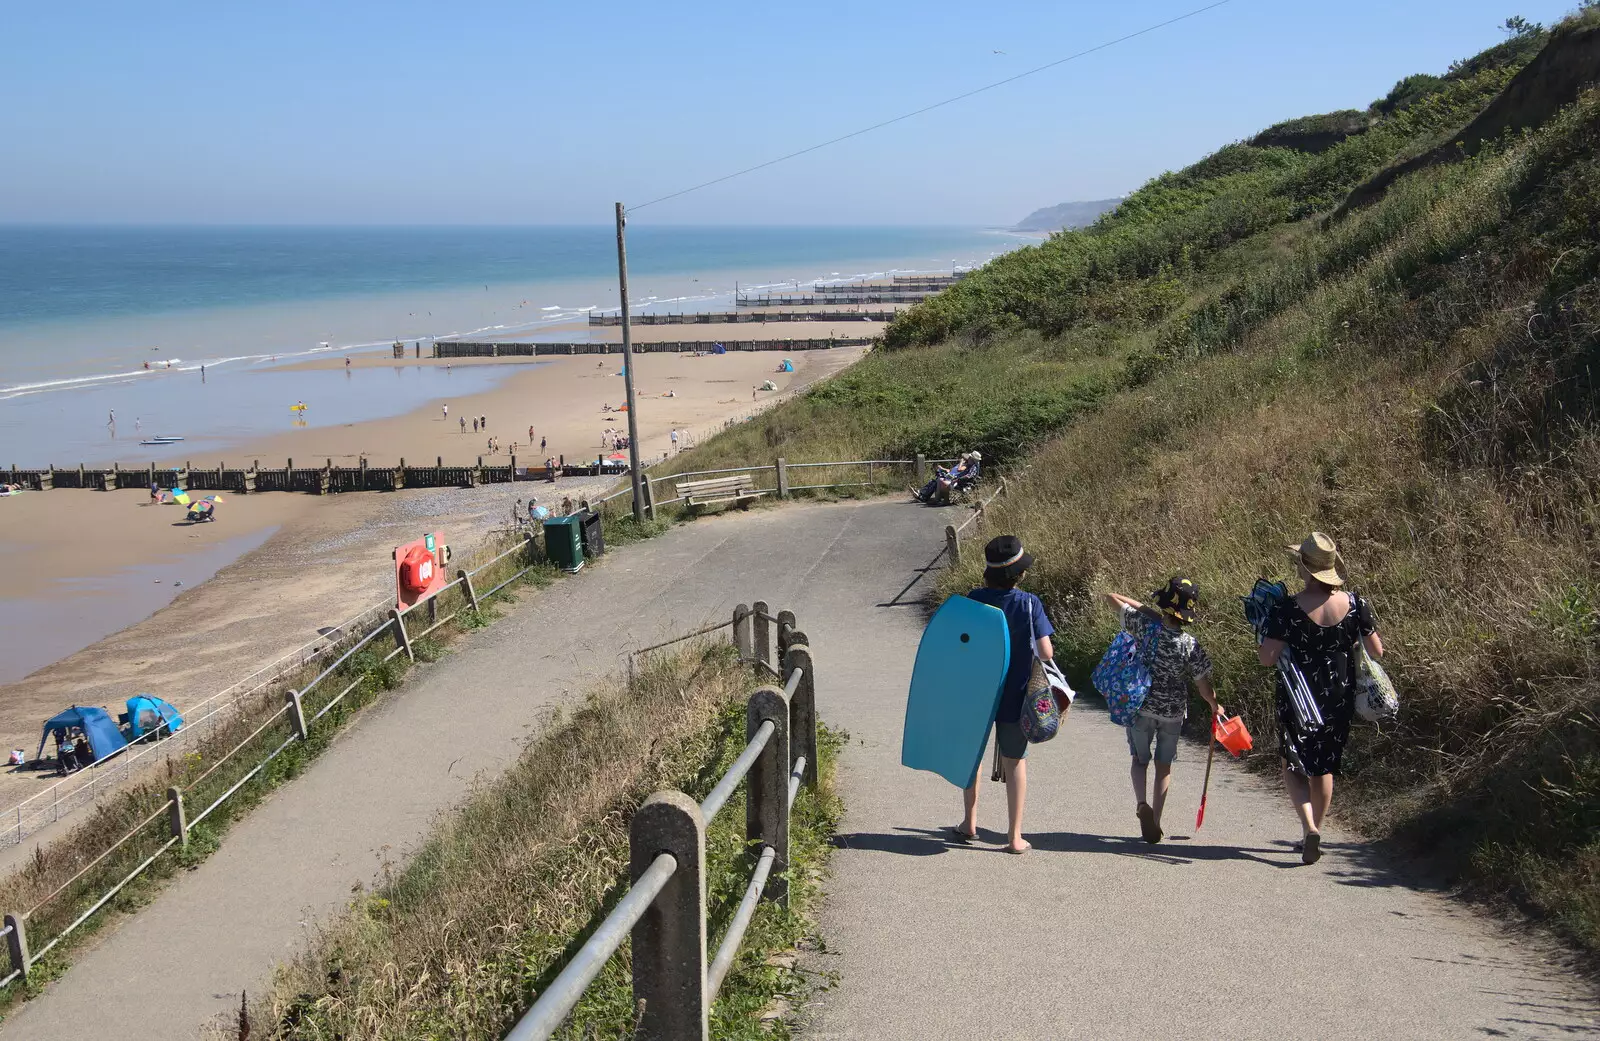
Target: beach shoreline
309	562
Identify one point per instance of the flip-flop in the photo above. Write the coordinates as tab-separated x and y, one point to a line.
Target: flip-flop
963	837
1019	852
1313	849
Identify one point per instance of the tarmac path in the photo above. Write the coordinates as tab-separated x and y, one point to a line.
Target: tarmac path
1093	935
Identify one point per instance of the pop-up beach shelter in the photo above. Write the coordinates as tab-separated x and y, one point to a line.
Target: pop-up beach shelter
104	737
147	713
717	348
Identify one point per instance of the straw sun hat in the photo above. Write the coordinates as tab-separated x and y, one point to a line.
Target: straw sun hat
1319	556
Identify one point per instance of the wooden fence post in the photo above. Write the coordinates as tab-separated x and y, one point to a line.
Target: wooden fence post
176	820
922	469
648	488
802	711
741	630
297	713
785	627
763	631
669	942
401	640
952	543
17	944
766	806
466	586
783	478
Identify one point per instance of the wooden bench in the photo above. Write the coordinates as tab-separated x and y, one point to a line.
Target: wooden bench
737	488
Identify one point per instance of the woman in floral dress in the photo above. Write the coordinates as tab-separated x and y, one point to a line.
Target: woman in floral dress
1320	627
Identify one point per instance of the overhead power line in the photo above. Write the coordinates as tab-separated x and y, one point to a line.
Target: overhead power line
939	104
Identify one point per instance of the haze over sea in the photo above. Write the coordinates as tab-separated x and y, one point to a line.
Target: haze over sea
82	309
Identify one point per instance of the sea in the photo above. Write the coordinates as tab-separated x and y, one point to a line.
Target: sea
104	331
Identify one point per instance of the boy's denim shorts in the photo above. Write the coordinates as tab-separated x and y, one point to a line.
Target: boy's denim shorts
1147	729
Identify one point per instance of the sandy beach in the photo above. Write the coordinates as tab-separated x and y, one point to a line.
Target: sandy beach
123	593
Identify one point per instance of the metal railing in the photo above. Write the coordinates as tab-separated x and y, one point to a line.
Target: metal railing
877	474
179	826
664	910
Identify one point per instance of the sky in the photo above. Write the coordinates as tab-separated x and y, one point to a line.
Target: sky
532	112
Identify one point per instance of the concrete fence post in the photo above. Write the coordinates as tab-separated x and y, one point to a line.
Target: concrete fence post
759	613
669	942
741	631
783	478
466	587
177	820
798	638
401	640
297	713
17	945
766	806
802	711
785	627
952	542
648	488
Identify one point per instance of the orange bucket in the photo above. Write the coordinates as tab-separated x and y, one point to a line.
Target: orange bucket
1231	734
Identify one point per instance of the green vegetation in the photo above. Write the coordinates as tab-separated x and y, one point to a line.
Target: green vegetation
483	918
1224	366
64	878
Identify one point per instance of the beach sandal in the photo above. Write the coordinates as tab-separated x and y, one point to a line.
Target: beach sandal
1147	823
1311	852
1026	846
964	838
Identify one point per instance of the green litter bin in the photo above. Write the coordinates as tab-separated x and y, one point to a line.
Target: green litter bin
563	542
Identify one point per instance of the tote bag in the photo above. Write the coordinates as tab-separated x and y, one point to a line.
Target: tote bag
1122	679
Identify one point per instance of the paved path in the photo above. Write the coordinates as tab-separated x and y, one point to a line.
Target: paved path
1091	936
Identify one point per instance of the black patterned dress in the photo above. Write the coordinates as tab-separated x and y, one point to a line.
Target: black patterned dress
1326	655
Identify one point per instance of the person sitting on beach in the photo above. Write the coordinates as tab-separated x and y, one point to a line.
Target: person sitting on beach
566	506
84	750
63	750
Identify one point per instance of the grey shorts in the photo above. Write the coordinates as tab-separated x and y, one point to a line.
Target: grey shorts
1013	745
1147	729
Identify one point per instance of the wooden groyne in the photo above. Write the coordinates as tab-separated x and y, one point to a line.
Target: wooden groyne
745	317
318	480
463	349
874	296
933	280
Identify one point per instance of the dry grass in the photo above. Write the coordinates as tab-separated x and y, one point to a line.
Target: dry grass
510	884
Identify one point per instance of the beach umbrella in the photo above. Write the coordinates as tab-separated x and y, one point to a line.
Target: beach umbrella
180	496
616	457
214	498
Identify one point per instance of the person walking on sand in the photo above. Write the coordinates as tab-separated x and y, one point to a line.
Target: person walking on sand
1005	563
463	421
474	424
530	433
1174	659
674	439
111	421
445	408
485	421
1320	626
541	445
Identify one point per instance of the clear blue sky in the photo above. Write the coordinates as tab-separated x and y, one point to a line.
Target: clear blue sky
538	112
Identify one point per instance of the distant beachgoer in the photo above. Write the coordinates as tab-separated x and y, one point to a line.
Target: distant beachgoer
530	435
474	424
674	439
136	424
111	420
566	506
490	446
347	363
532	506
463	422
155	494
485	421
516	511
202	374
147	366
541	444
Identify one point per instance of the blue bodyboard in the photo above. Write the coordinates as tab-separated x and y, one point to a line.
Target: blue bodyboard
955	689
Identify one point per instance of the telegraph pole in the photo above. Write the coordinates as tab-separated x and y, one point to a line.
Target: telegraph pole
627	369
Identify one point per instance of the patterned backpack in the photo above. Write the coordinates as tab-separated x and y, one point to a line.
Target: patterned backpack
1122	678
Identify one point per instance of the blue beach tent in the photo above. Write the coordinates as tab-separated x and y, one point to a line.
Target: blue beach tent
148	713
717	348
104	737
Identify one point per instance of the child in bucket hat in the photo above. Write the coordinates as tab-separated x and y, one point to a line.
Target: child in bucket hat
1005	562
1174	659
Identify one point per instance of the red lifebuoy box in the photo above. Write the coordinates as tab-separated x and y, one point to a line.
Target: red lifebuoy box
419	569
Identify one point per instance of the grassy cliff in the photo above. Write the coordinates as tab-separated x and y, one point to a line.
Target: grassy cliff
1379	323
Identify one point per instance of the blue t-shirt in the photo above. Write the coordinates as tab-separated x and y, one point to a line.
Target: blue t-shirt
1025	618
